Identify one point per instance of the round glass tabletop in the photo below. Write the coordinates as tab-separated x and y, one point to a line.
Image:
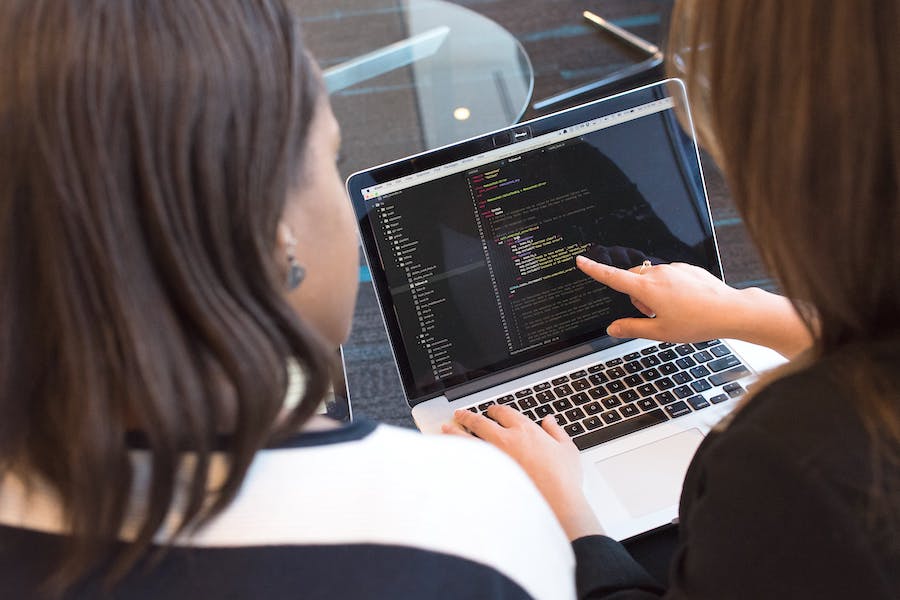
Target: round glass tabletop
412	75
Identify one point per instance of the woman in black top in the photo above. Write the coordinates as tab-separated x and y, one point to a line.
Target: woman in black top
797	494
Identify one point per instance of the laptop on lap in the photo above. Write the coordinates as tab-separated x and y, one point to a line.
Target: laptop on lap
471	248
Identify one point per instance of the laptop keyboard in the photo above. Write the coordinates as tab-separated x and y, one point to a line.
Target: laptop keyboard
641	389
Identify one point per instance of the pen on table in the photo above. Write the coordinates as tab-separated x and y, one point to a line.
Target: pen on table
626	36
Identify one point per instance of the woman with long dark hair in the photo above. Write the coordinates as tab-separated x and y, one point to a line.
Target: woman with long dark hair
176	255
797	494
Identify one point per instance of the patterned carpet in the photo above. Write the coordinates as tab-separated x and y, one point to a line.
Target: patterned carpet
564	51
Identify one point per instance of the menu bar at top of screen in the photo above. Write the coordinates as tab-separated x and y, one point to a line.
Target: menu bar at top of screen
477	160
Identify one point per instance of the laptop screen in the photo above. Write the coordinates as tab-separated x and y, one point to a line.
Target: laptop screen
474	258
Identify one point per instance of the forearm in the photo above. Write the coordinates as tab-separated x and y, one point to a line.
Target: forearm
769	320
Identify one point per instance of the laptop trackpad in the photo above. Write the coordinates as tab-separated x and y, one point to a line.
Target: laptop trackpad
650	478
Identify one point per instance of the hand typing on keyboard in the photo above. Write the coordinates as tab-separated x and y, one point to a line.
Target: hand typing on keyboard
691	305
547	455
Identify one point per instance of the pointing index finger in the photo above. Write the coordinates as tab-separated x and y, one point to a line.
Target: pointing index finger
618	279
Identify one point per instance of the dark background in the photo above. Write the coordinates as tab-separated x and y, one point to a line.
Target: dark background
564	51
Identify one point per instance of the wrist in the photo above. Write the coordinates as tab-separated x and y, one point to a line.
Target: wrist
741	310
578	519
767	319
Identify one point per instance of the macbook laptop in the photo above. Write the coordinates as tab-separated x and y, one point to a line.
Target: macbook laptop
472	252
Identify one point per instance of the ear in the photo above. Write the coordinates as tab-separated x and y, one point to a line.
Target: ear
284	237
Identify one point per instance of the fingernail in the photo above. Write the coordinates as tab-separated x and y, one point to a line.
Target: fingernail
614	330
582	260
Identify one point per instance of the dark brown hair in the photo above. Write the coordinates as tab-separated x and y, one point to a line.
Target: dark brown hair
148	148
799	102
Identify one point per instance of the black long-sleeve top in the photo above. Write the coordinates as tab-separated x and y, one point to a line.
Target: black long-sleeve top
776	504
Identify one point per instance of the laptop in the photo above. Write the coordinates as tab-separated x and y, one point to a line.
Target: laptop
472	248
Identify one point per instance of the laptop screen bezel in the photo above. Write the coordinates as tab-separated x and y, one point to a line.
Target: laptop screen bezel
484	143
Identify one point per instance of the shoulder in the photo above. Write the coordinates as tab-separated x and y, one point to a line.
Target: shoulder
784	489
813	414
401	488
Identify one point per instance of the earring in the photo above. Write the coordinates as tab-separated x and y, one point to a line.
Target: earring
296	273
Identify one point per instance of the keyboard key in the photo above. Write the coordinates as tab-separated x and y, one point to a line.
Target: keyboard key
719	398
650	361
678	409
616	373
562	391
615	386
650	374
680	378
647	404
649	350
699	371
560	380
542	386
648	389
633	380
509	398
633	366
683	391
705	345
728	376
530	415
574	429
578	374
735	392
560	419
611	402
576	414
668	369
628	396
561	405
703	356
632	356
701	385
526	403
580	384
629	410
697	402
593	408
592	423
720	350
685	362
611	432
720	364
614	362
667	355
598	378
598	392
665	383
523	393
684	349
473	409
542	411
611	416
580	398
665	398
595	369
665	345
545	397
483	407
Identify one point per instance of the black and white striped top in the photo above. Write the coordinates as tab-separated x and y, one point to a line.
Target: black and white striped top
365	511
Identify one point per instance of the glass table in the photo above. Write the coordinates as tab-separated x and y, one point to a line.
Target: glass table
411	75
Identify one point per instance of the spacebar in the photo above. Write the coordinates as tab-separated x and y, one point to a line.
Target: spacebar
611	432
